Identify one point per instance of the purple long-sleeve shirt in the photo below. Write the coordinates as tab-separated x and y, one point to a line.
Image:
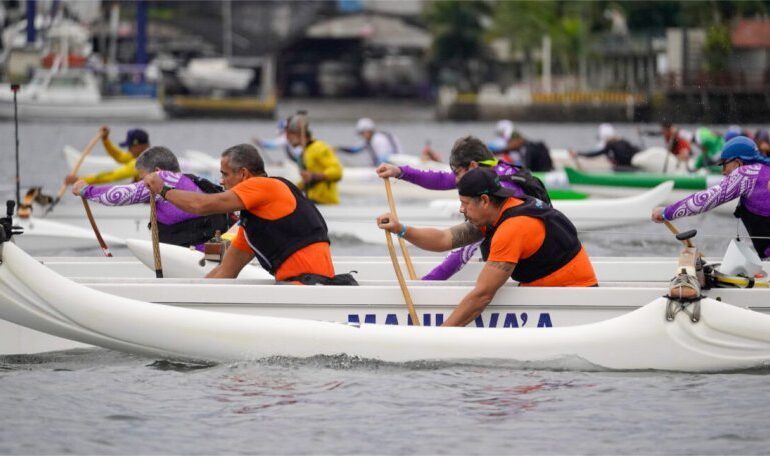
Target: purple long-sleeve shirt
445	180
749	183
137	193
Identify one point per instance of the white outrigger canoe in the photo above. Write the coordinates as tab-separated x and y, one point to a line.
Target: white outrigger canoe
630	331
181	263
45	235
357	221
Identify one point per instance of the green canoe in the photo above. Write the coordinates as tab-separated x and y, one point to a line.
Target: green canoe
640	180
566	194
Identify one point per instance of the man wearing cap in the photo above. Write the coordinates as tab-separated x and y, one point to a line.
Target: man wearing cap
747	174
279	142
523	239
319	167
617	150
137	142
380	145
503	130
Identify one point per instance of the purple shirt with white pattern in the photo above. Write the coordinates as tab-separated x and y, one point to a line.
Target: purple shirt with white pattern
748	182
137	193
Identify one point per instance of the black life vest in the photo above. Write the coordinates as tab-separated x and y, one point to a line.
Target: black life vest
620	152
756	225
196	230
273	241
529	184
537	157
560	245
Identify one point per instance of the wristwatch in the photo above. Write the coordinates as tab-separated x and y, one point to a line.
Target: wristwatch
165	189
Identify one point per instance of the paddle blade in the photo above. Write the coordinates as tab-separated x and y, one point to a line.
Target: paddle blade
53	204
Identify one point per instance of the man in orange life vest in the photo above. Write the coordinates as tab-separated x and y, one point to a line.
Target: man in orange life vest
524	239
279	225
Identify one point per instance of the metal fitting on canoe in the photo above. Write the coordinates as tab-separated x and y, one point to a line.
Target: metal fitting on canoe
690	306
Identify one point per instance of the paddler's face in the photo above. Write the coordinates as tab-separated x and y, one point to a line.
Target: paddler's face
137	149
764	147
475	209
730	166
367	135
294	138
460	171
229	176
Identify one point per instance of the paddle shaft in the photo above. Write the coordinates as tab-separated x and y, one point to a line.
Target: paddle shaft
155	242
98	235
401	242
675	232
578	165
15	89
303	142
75	169
401	280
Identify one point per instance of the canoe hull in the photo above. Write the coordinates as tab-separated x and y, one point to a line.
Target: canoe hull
725	338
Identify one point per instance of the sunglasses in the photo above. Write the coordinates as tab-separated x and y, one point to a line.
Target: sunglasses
726	162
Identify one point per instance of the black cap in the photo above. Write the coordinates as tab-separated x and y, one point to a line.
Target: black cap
482	181
136	136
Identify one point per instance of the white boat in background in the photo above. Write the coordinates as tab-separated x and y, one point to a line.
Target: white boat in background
660	160
561	159
203	75
626	331
45	235
357	221
73	94
594	213
93	164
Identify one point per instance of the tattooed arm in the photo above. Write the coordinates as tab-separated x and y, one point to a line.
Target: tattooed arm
433	239
491	278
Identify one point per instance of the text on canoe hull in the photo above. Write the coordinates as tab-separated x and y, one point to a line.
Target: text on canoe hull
495	320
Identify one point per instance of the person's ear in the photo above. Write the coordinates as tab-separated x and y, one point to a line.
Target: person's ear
484	199
473	164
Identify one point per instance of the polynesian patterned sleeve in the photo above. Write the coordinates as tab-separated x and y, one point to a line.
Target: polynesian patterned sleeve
453	262
432	180
738	183
123	195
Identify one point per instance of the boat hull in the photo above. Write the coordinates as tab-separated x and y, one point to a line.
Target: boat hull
723	337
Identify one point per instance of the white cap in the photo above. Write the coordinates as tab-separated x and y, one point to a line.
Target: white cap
365	124
504	128
606	131
687	135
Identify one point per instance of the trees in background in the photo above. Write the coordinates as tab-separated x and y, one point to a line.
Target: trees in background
463	30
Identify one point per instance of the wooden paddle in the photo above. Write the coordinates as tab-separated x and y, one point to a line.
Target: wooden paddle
98	235
75	169
401	242
576	160
401	281
675	232
302	121
155	242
